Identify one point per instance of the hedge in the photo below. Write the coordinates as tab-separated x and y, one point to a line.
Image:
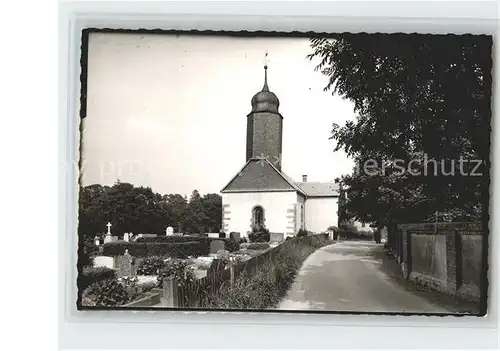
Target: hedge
166	239
91	275
178	250
229	244
258	246
349	234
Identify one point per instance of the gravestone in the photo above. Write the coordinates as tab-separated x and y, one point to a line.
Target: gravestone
104	261
126	237
124	265
108	238
216	245
235	236
169	231
96	241
277	237
213	235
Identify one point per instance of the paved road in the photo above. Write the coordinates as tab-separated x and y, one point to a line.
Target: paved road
348	276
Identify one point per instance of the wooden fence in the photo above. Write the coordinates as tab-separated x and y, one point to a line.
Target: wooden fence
193	294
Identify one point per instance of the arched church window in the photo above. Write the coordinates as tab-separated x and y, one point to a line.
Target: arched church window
258	217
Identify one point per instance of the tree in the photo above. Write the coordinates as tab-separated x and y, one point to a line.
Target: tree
195	215
212	208
415	96
176	207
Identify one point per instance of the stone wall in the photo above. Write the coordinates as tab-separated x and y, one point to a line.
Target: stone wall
446	257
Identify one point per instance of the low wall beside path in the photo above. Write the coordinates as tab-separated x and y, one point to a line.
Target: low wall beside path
447	257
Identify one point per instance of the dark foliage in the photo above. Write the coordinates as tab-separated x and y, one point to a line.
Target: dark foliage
261	235
140	210
150	265
87	252
92	275
416	97
258	246
229	245
302	232
179	250
167	239
178	269
108	292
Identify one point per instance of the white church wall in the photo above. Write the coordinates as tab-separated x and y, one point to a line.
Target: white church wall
321	213
238	210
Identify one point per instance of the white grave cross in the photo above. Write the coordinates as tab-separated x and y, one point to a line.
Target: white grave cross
109	228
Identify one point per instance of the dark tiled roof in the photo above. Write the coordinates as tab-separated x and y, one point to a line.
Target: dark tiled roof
316	189
258	175
261	175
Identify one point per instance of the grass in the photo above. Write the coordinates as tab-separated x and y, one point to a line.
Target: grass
270	283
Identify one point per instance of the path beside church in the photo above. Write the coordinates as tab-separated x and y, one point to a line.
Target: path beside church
351	276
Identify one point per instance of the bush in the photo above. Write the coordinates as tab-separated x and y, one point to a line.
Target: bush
231	245
302	232
88	250
258	246
178	250
243	240
178	269
150	266
108	292
91	275
259	236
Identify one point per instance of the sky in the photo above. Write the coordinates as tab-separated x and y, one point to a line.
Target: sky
169	111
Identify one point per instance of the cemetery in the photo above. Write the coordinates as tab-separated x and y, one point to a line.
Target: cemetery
171	269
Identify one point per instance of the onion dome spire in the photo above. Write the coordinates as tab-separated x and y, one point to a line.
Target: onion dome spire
265	100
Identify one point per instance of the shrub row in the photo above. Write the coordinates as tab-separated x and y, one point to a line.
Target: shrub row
259	236
349	234
178	250
114	292
258	246
229	244
91	275
272	280
166	239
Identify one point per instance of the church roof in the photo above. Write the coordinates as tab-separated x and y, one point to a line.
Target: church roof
316	189
258	174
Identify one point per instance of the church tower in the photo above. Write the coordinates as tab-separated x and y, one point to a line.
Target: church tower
265	126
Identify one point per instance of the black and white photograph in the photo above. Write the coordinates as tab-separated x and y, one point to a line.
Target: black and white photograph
253	171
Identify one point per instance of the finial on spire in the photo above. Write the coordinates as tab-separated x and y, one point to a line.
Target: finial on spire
265	87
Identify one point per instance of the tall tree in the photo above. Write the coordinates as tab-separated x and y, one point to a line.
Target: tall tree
195	221
414	95
212	208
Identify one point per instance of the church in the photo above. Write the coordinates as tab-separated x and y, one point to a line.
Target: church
261	195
